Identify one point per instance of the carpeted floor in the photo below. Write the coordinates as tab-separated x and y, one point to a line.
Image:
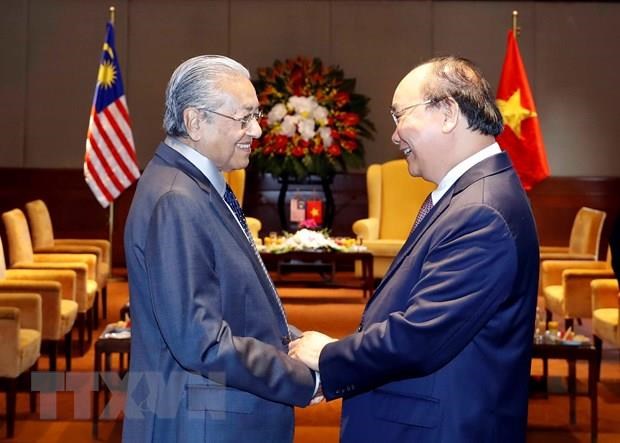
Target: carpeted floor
548	416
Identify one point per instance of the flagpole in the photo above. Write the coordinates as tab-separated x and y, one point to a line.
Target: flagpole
111	207
515	28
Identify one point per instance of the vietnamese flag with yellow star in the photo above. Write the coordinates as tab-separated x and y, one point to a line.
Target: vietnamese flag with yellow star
521	136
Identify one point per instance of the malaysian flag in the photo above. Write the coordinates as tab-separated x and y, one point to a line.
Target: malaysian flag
110	164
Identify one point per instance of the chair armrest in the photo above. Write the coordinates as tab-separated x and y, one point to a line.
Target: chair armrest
554	249
102	244
577	290
552	269
66	278
81	275
72	249
29	305
89	259
367	228
605	293
565	256
51	296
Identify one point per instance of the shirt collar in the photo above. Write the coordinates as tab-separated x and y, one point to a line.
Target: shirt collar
457	171
204	165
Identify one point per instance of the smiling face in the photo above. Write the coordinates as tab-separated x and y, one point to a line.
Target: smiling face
222	139
419	128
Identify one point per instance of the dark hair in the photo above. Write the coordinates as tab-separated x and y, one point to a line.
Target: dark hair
462	80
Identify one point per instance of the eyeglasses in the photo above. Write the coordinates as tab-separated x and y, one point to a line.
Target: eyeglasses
245	120
396	115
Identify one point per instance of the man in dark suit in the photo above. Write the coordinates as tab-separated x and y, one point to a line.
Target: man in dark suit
209	338
443	350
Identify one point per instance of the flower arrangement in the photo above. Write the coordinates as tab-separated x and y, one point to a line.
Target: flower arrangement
310	240
314	120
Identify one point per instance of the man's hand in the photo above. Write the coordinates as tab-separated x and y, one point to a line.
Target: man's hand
308	347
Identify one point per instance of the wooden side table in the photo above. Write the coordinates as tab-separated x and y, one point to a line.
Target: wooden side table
366	283
104	348
571	354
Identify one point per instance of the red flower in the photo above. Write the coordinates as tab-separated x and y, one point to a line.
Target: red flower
341	98
349	145
298	151
348	118
334	150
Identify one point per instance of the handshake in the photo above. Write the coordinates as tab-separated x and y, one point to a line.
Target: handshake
307	349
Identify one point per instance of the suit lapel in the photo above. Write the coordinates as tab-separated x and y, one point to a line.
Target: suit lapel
220	208
489	166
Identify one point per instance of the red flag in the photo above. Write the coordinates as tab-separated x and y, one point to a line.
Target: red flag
110	164
521	136
314	211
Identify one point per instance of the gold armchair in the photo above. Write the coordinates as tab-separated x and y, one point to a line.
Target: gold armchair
58	307
20	347
42	235
21	256
584	238
566	286
394	199
236	181
605	314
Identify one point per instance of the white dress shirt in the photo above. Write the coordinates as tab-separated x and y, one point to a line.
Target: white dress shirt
457	171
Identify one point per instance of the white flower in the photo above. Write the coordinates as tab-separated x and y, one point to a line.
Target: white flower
306	128
326	135
276	114
320	115
302	105
289	125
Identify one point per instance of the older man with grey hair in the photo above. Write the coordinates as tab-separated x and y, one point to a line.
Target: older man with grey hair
209	336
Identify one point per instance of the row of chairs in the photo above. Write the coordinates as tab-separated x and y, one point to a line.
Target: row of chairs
51	285
576	285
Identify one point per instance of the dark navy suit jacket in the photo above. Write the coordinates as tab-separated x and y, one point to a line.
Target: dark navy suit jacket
443	352
209	342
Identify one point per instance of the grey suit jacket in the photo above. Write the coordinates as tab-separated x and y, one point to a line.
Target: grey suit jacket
209	341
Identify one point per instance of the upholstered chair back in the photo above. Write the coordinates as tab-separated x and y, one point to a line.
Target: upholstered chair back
236	180
41	228
395	197
18	237
586	232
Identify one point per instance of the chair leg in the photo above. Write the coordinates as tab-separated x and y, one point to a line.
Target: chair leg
11	406
81	321
95	310
68	351
90	321
598	345
52	347
33	394
104	302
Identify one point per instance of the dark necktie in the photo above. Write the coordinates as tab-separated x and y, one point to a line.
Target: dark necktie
424	210
233	203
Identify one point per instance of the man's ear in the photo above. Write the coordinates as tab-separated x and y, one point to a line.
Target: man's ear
192	120
451	114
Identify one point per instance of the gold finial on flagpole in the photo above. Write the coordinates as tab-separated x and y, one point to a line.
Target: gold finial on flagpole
516	30
112	11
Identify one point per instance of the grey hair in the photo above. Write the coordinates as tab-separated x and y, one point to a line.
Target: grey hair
197	83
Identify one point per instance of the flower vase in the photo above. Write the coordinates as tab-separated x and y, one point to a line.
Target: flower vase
314	181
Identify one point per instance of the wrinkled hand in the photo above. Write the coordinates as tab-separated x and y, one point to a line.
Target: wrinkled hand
308	347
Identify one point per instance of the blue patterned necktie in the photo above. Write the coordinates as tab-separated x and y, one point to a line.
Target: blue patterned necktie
233	203
424	210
